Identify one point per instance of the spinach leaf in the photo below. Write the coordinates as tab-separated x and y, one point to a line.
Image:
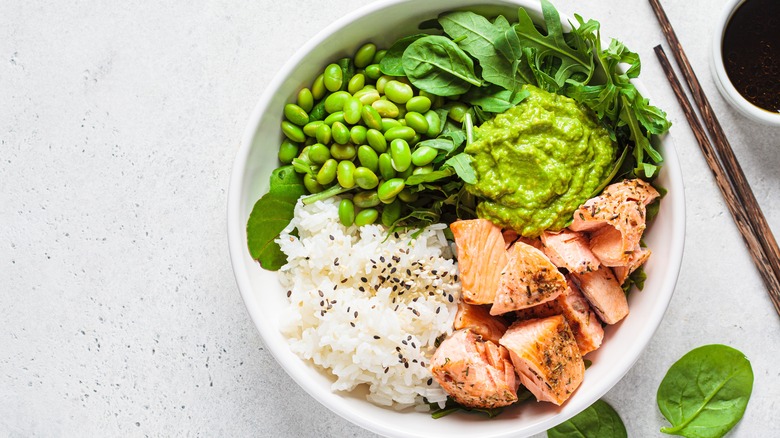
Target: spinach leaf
462	165
271	214
494	100
392	64
705	393
597	421
437	65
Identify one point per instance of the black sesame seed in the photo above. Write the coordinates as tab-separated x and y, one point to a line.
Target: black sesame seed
364	279
376	337
331	237
406	364
450	298
430	381
289	292
321	294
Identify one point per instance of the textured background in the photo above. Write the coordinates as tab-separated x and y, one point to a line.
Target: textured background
120	315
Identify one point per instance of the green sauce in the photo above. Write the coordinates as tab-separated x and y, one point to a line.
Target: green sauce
538	161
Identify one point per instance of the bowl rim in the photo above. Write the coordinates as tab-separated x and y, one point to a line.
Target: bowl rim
722	81
237	243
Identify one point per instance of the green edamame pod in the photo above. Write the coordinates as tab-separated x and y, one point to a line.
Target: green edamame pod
366	199
391	213
318	89
401	154
319	153
357	134
434	124
352	107
311	184
389	189
371	118
345	173
398	91
293	132
340	133
296	114
287	151
420	104
332	77
342	151
422	156
335	101
416	121
376	140
366	217
365	178
402	132
327	172
365	55
323	133
346	212
368	158
386	167
305	99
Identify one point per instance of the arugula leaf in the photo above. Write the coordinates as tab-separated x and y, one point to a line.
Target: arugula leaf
437	65
271	214
392	63
597	421
462	165
441	143
705	393
494	100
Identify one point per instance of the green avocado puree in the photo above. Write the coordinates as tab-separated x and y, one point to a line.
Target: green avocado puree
538	161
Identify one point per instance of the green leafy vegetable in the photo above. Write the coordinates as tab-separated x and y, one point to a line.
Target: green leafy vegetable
597	421
392	63
271	214
437	65
462	165
705	393
451	406
494	100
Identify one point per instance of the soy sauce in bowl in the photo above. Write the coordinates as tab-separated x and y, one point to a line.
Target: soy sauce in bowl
751	52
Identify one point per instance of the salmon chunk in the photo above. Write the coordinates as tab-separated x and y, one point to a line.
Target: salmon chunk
528	279
604	294
546	357
617	220
477	373
574	307
570	250
479	320
637	259
481	257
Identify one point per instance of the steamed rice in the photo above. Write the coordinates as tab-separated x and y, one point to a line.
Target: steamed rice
368	306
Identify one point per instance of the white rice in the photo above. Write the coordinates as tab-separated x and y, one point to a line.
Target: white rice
368	306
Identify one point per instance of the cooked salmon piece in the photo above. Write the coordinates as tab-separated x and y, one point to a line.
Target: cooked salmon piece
528	279
509	237
617	220
570	250
637	259
481	257
477	373
575	308
546	357
604	294
479	320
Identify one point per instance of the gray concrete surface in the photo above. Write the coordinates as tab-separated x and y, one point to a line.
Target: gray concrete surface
120	316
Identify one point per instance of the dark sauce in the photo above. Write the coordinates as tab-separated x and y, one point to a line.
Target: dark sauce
751	52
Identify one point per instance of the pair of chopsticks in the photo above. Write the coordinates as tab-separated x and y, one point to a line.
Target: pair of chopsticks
728	173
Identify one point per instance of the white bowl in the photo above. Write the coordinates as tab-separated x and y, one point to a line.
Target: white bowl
383	22
722	80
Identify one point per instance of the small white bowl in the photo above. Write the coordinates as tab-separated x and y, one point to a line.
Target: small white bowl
722	80
383	22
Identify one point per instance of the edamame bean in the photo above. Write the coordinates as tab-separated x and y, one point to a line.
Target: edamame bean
401	155
391	213
458	112
356	83
345	173
398	91
381	82
376	140
367	96
373	72
388	123
368	158
365	55
386	167
346	212
310	128
434	124
319	153
296	114
366	217
407	195
422	156
389	189
420	104
338	116
335	101
323	134
293	132
416	121
343	151
365	178
366	199
371	118
287	151
352	109
358	134
406	173
385	108
332	77
340	133
402	132
378	57
423	170
305	99
311	184
318	87
327	172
